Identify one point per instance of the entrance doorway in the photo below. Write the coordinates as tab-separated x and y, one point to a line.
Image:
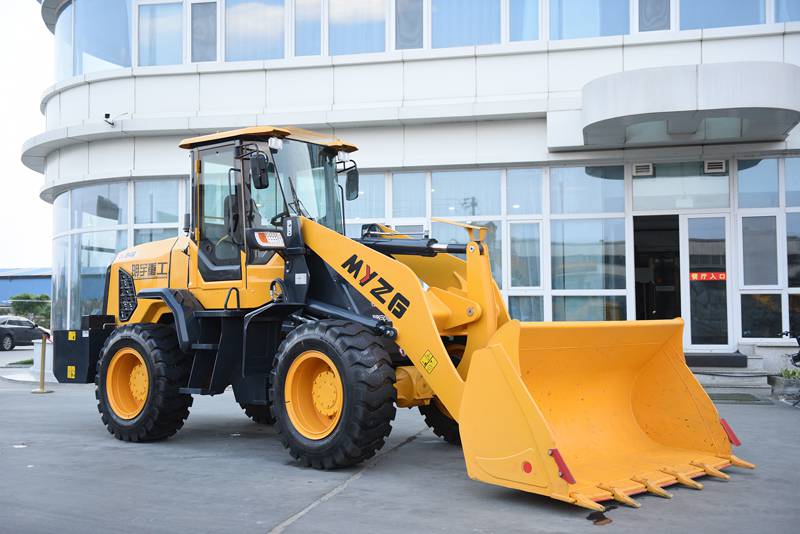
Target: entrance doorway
681	263
656	245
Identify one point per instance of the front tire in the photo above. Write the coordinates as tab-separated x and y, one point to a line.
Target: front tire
332	394
7	343
137	385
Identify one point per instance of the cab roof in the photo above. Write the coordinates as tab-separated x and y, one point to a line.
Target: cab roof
261	132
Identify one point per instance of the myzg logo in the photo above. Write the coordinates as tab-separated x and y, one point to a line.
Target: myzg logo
398	303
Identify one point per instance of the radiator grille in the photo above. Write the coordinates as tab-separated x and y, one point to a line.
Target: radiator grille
127	296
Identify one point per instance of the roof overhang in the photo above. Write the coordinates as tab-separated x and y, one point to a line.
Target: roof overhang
738	102
50	11
264	132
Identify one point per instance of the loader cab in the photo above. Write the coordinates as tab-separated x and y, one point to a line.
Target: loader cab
252	182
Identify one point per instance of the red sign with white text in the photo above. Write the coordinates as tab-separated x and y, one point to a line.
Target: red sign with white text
708	276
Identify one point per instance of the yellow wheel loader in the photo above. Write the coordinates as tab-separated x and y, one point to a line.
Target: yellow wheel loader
324	336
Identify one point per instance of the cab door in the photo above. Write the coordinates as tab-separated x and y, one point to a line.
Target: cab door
219	264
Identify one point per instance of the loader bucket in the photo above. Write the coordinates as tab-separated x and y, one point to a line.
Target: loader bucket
587	412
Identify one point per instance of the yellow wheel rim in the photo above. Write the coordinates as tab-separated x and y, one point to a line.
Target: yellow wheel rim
314	395
127	383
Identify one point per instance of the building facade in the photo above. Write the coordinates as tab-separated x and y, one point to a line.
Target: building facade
633	159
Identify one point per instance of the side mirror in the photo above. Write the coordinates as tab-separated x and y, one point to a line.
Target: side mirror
260	169
351	184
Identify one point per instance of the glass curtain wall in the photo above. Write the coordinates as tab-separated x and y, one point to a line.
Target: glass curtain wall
254	29
91	224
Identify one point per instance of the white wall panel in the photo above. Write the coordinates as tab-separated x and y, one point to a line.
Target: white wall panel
571	69
74	105
74	162
439	79
52	113
511	75
791	48
647	56
377	147
114	97
167	95
767	48
111	157
357	85
440	144
233	92
160	155
299	89
51	169
511	141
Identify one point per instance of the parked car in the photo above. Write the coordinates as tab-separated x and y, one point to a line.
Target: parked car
18	331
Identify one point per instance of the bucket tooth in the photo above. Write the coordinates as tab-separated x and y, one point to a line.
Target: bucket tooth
619	496
586	502
738	462
683	479
711	470
653	488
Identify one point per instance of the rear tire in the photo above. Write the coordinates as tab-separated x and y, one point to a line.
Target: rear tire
152	408
323	361
7	343
259	413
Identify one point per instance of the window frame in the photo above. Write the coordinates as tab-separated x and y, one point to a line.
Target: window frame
185	56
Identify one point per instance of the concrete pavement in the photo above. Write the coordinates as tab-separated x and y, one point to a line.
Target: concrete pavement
61	471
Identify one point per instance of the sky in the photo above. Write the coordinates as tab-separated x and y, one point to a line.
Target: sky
26	70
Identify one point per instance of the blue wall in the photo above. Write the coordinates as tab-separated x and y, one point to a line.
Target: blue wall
14	286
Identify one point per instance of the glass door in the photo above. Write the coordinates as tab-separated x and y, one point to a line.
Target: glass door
705	282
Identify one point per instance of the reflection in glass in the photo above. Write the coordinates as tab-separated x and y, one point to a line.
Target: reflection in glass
204	31
408	194
58	314
408	24
307	27
708	290
758	183
357	26
148	235
572	19
524	20
61	213
253	29
793	248
794	314
465	22
761	316
102	35
720	13
465	193
609	308
63	39
156	201
525	258
587	189
160	34
588	254
759	251
92	253
679	186
792	182
653	15
527	309
99	205
371	199
524	190
787	10
447	233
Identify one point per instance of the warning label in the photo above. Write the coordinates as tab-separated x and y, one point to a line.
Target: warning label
429	361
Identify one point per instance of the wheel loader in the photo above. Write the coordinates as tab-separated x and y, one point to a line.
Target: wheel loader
324	337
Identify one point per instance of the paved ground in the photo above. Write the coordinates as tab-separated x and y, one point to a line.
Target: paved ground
61	471
15	355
